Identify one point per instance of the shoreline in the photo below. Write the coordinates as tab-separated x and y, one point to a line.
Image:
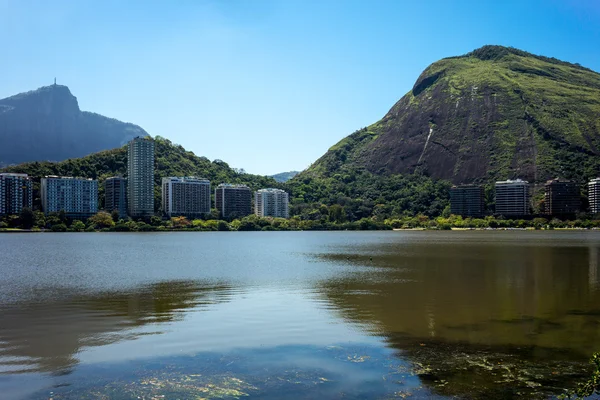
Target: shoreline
17	230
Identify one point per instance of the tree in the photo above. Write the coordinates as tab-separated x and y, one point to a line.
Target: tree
337	213
59	228
52	219
180	222
62	215
39	218
102	220
115	216
223	226
78	226
27	218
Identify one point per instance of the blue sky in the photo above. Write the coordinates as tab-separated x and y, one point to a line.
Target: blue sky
267	86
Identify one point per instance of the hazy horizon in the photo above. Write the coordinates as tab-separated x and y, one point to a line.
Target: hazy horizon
267	86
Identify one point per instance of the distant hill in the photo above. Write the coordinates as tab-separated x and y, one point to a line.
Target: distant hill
47	124
284	176
492	114
170	160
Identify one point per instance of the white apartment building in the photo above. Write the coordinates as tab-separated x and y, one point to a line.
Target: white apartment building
271	203
140	177
186	196
594	195
512	198
77	197
16	192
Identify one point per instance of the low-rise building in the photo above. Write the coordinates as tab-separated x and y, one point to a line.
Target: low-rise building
233	201
467	201
562	198
115	195
185	196
594	195
77	197
271	203
16	193
512	198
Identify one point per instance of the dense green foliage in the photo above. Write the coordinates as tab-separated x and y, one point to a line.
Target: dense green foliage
321	218
103	221
358	194
170	160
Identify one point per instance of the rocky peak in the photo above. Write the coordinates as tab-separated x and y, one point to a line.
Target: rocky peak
47	100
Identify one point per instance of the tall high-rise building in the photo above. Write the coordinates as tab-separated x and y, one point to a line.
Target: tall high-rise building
115	195
271	203
187	197
16	192
562	198
594	195
77	197
140	177
233	201
467	201
512	198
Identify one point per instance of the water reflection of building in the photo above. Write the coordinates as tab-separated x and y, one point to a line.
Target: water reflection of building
477	293
47	336
593	269
460	308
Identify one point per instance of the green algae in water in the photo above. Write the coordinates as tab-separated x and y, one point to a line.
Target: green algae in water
280	373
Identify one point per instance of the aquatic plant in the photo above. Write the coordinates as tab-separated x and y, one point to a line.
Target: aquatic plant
592	385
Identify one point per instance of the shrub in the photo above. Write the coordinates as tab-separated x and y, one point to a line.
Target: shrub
59	228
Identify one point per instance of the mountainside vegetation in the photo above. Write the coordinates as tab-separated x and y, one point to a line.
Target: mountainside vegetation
170	160
47	124
493	114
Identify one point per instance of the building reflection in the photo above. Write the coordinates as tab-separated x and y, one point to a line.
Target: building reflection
594	266
46	336
448	304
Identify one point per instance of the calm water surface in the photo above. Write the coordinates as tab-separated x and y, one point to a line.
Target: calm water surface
297	314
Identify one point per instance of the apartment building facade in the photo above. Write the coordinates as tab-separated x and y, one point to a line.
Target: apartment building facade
467	201
140	177
271	203
185	196
594	195
16	193
562	198
512	198
115	195
233	201
77	197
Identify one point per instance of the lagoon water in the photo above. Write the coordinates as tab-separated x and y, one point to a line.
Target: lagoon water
297	315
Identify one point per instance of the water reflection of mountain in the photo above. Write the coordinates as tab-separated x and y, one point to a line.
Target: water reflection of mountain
463	310
45	336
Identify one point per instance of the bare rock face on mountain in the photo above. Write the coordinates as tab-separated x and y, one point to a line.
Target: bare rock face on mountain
47	124
494	113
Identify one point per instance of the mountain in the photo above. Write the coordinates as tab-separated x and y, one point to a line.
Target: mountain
170	160
492	114
284	176
47	124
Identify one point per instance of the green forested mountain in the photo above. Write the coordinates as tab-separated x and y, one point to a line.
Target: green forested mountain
493	114
170	160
